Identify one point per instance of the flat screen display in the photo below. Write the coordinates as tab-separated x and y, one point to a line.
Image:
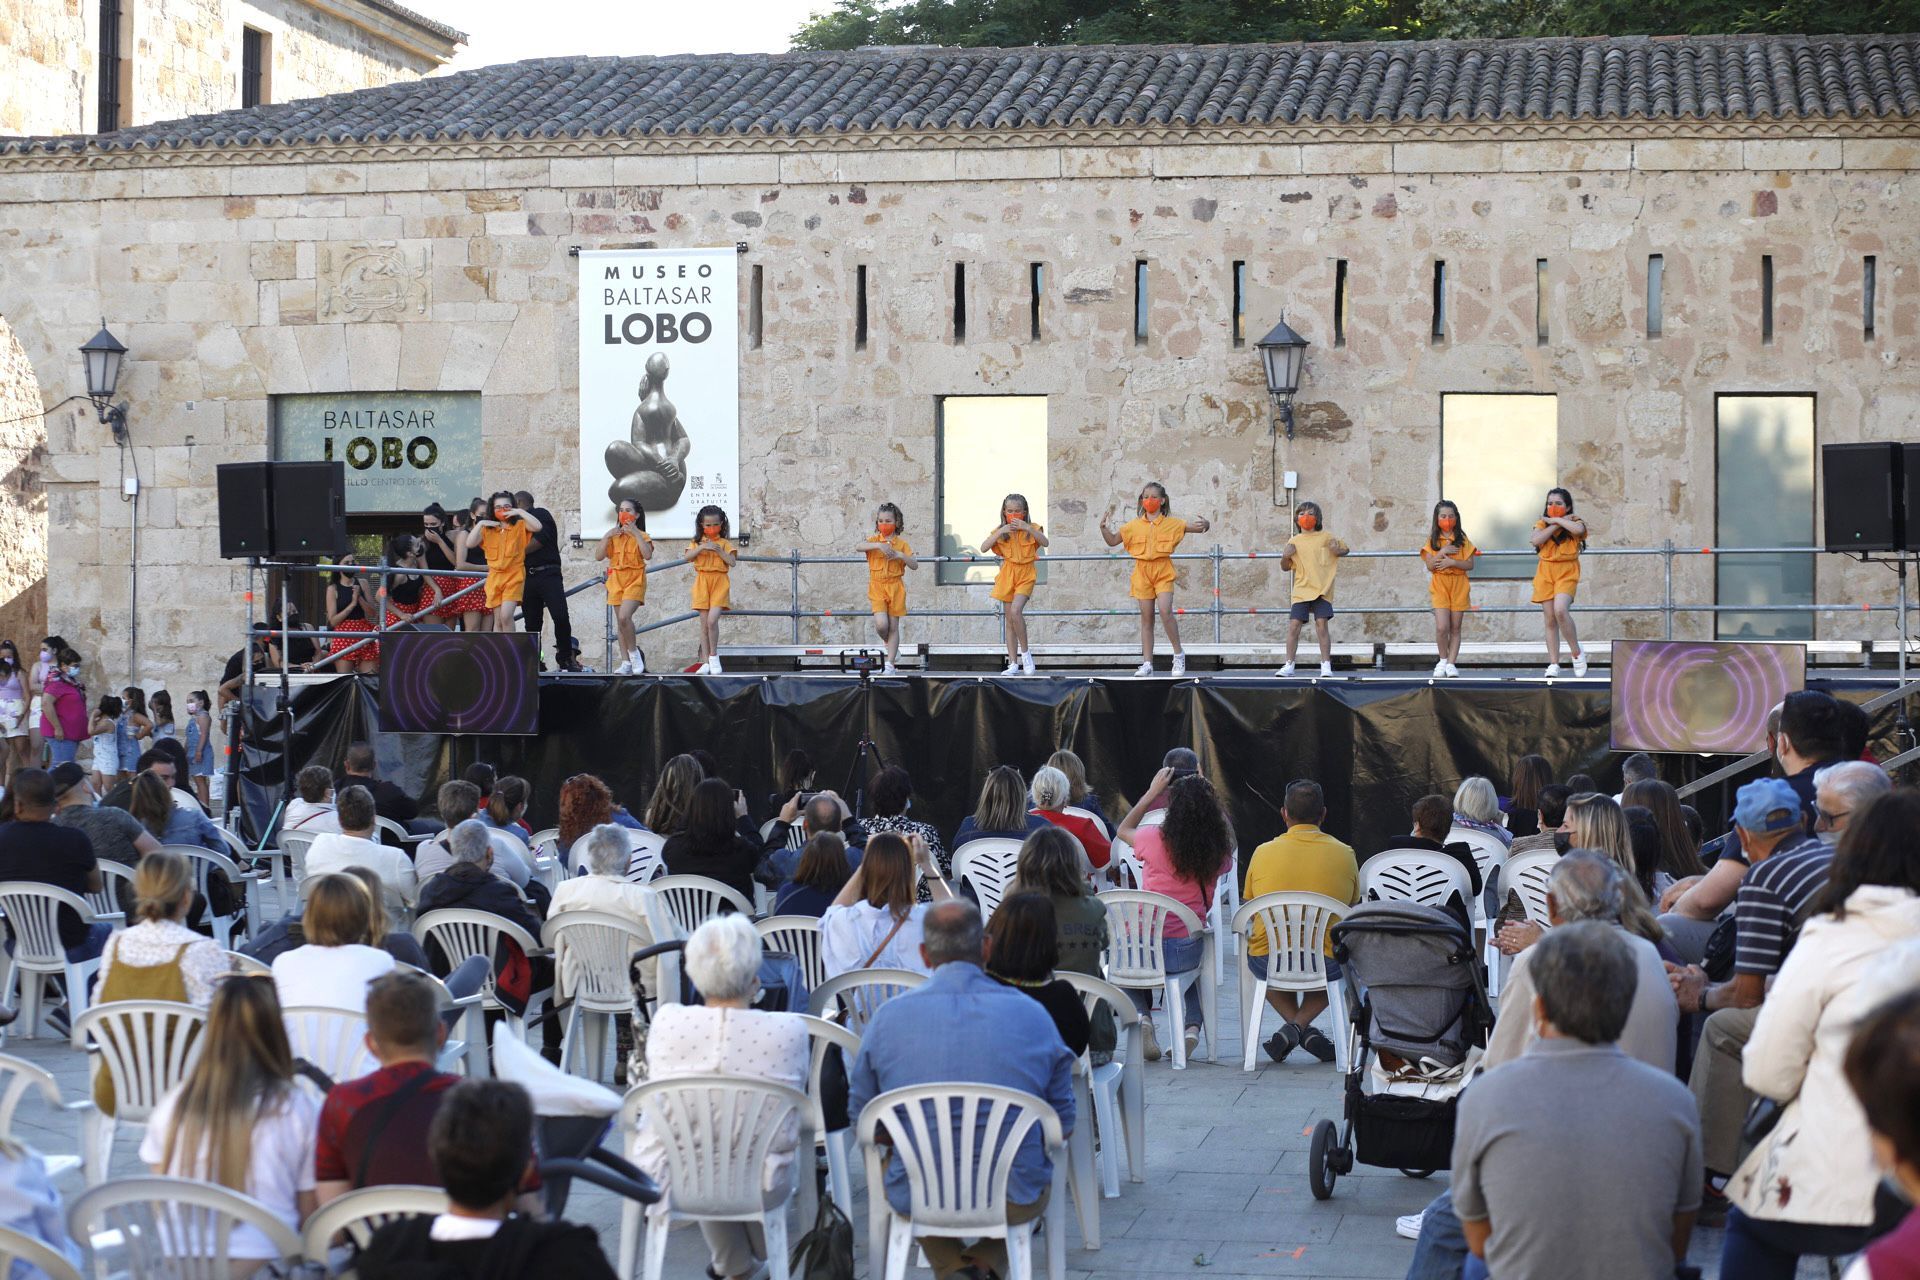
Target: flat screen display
1700	696
459	682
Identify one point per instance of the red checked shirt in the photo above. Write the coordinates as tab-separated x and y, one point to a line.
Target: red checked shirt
352	1110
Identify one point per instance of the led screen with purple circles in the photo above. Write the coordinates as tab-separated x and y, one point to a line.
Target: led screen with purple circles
459	682
1700	696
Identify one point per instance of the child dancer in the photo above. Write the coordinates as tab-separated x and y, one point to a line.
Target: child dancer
712	557
106	747
1448	554
1150	538
626	548
1559	536
888	559
504	538
1312	556
351	607
444	550
1017	542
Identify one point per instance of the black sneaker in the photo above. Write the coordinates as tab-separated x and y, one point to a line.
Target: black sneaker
1282	1042
1713	1206
1315	1042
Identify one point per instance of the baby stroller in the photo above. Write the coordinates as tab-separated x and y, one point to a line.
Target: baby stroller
1420	1011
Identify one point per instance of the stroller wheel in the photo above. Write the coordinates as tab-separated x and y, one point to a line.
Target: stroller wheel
1321	1161
1418	1173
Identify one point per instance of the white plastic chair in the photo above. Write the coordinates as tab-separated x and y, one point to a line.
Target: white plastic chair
240	962
394	829
203	863
459	933
173	1227
1119	1087
106	903
1296	927
676	906
361	1213
1526	875
644	865
715	1180
1414	875
822	1037
1490	856
989	865
288	865
333	1040
799	936
32	910
1132	874
17	1076
1075	811
1226	901
858	994
1136	925
546	840
592	955
17	1246
147	1047
957	1143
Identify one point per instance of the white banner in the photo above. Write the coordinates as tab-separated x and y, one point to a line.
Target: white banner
659	386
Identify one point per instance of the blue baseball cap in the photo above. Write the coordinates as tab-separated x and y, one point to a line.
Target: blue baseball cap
1766	805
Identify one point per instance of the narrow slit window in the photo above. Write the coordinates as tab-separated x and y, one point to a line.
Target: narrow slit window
1140	302
1868	284
1239	304
959	302
1340	302
860	308
756	315
1036	289
1656	284
1439	300
1766	297
1540	301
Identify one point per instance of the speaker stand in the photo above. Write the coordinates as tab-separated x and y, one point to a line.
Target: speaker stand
1902	726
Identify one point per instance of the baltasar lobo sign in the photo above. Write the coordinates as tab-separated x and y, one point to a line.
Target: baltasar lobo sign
402	449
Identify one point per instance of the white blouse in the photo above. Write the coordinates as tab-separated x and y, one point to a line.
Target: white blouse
154	942
848	935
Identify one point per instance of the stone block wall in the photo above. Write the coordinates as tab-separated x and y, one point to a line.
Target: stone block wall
220	278
23	500
45	59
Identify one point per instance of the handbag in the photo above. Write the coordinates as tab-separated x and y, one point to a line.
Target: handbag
1717	958
826	1251
1761	1119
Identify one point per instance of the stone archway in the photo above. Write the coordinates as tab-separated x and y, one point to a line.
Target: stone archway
23	498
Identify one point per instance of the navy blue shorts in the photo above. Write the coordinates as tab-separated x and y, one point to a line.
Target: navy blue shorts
1318	607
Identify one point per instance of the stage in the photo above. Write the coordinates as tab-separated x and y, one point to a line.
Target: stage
1376	741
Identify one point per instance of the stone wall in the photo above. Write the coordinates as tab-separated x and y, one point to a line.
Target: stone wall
316	53
46	57
213	275
23	500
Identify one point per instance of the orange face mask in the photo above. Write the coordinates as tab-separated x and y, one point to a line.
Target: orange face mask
711	532
1448	522
1556	509
886	528
628	517
1308	523
501	513
1150	504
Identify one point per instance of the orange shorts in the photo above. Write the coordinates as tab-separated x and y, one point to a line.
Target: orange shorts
1449	591
1151	579
505	587
888	596
624	584
1013	580
1555	578
712	591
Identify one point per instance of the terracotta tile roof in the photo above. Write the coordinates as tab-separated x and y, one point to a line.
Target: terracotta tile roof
875	91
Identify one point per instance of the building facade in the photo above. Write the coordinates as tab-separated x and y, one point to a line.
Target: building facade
1657	272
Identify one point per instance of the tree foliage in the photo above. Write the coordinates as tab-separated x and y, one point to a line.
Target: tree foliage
853	24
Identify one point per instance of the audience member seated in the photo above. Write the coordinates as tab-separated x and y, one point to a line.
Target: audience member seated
1050	800
398	943
793	777
1476	807
1579	783
116	836
151	805
889	797
1595	822
962	1027
1549	818
1839	791
605	888
1183	857
1789	868
239	1120
1022	950
821	874
158	957
1001	811
1883	1070
1643	836
389	801
1638	767
311	809
458	801
1808	1186
470	884
874	921
1184	762
506	808
30	1204
482	775
34	847
481	1145
335	965
795	825
357	845
1302	859
1050	865
1432	823
1631	1144
165	760
725	1036
1522	807
667	811
712	843
1079	794
1812	735
585	803
1679	849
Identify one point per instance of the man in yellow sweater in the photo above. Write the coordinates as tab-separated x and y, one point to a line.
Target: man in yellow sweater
1304	859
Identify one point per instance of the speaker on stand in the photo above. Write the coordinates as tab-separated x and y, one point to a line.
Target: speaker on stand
1871	494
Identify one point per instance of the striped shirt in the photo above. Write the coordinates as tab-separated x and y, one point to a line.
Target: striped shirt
1772	903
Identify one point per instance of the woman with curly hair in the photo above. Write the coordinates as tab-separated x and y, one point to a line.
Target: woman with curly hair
1182	858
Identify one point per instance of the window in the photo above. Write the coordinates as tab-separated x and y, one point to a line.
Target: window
1036	288
1340	302
112	29
1656	282
987	447
1140	302
1766	297
1440	302
1239	304
1499	454
1868	283
860	308
256	66
1763	496
1540	301
756	315
959	302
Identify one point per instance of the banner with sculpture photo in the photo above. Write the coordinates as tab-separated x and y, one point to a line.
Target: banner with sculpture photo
659	386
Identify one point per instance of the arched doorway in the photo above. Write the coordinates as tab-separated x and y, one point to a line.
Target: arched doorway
23	498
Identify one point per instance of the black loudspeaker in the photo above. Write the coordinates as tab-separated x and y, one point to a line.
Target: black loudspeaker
459	682
246	509
1910	493
309	509
1864	488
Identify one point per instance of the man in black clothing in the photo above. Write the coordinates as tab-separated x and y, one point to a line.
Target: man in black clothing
1432	820
389	801
546	590
34	847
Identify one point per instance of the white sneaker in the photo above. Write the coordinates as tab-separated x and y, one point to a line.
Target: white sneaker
1026	663
1149	1042
1453	672
1013	667
1326	668
1144	669
1285	671
624	669
713	665
1440	669
1179	664
639	663
1408	1227
1553	669
889	670
1580	663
